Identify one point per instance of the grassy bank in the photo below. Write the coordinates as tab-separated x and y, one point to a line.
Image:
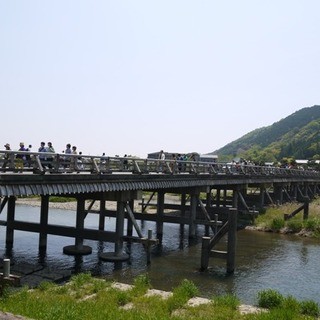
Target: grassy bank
273	219
85	297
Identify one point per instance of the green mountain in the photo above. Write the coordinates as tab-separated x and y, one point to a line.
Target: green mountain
296	136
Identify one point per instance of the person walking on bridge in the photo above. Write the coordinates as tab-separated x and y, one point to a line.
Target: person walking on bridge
42	158
50	149
162	158
7	156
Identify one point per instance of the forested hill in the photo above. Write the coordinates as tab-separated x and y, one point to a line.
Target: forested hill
296	136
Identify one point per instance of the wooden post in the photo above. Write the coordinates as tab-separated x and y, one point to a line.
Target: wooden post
232	239
78	248
160	210
306	208
205	253
235	198
183	207
80	222
118	248
208	205
10	222
118	255
262	196
101	214
44	212
278	192
129	221
218	192
192	217
149	247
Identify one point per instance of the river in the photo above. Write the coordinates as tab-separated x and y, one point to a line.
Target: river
286	263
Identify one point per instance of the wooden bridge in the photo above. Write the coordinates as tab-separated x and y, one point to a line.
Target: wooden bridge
209	194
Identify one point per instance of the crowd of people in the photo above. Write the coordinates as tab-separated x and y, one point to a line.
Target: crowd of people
23	159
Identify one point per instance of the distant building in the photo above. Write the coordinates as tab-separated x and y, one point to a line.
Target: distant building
196	156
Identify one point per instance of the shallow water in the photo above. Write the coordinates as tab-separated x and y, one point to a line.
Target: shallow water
285	263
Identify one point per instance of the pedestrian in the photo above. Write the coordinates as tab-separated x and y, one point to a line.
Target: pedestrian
42	149
125	162
161	158
67	158
6	156
50	149
173	162
21	157
74	160
68	149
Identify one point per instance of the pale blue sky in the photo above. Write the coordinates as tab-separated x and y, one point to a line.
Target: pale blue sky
137	76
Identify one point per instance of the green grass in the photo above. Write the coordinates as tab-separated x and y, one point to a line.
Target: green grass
86	297
272	218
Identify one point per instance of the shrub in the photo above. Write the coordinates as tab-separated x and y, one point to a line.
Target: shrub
269	299
182	294
312	224
295	226
187	288
141	285
309	308
277	224
291	303
228	300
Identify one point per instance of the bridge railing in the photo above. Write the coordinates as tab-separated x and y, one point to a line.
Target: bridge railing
45	162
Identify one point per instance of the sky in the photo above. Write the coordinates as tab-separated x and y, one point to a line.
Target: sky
137	76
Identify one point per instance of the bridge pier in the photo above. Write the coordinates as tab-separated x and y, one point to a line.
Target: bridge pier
193	213
229	227
262	196
79	248
44	214
278	192
160	210
10	222
118	255
101	215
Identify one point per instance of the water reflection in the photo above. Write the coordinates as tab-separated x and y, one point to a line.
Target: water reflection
288	264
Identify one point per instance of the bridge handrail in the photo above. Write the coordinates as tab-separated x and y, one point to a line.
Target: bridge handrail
42	162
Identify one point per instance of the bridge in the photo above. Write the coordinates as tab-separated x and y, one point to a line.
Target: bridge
209	194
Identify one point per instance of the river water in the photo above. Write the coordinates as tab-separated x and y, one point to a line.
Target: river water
289	264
